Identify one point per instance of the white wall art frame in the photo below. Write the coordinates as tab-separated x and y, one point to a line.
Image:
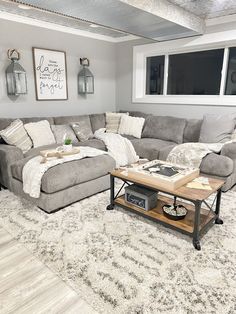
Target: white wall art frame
50	74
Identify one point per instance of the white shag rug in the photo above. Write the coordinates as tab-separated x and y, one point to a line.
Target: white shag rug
121	263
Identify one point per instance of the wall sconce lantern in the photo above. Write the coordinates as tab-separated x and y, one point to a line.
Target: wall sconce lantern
15	75
85	78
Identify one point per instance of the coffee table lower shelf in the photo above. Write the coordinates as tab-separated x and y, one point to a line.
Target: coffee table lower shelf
185	225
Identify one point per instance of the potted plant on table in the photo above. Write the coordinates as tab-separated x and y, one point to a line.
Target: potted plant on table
67	144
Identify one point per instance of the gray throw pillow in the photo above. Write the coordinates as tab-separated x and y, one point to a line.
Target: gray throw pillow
164	128
82	130
59	132
217	128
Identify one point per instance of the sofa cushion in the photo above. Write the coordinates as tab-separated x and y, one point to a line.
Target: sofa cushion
138	114
192	130
36	150
164	151
71	173
217	165
164	128
70	119
98	121
217	128
92	143
5	122
149	147
37	119
59	132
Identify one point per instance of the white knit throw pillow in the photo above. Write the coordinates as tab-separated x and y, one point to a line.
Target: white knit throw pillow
40	133
131	126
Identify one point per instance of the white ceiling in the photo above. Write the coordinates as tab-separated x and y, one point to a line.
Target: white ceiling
117	19
12	7
207	8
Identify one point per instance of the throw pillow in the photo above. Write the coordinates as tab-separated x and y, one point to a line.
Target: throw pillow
59	132
113	121
164	128
40	133
217	128
82	130
15	134
131	126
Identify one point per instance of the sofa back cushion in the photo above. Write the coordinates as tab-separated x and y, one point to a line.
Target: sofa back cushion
217	128
71	119
164	128
98	121
37	119
5	122
192	130
60	130
138	114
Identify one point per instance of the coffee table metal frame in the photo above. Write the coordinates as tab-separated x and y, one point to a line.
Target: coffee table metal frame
197	233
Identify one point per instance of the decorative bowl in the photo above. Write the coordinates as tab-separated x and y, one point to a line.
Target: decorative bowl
174	212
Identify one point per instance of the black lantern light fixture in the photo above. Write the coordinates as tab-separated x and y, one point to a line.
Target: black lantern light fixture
15	75
85	78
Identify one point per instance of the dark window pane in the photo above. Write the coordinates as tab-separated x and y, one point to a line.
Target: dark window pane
230	88
155	75
195	73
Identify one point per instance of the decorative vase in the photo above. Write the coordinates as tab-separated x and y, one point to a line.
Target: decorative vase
67	148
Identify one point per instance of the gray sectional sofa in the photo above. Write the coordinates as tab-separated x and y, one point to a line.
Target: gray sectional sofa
70	182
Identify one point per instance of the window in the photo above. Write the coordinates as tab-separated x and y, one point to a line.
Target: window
155	75
195	73
230	88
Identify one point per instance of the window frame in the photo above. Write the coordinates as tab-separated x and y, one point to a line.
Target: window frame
202	50
140	53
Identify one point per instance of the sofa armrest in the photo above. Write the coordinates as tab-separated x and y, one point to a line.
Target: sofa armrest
8	155
229	150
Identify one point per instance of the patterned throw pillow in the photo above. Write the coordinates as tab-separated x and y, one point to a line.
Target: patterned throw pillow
40	133
15	134
113	121
59	132
82	130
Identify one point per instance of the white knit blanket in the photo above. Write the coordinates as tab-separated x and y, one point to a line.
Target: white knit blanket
33	170
120	148
191	154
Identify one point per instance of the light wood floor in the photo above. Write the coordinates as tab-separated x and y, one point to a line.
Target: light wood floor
28	286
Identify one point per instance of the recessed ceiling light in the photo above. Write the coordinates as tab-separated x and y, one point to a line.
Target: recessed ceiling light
24	7
94	25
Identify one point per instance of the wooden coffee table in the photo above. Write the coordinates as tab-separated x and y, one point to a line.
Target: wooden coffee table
198	219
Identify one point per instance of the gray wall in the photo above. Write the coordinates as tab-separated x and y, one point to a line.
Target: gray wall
103	66
124	53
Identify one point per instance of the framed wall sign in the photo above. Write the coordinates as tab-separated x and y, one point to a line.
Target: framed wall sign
50	74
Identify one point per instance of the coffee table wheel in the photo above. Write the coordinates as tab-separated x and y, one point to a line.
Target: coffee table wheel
110	207
219	221
197	245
